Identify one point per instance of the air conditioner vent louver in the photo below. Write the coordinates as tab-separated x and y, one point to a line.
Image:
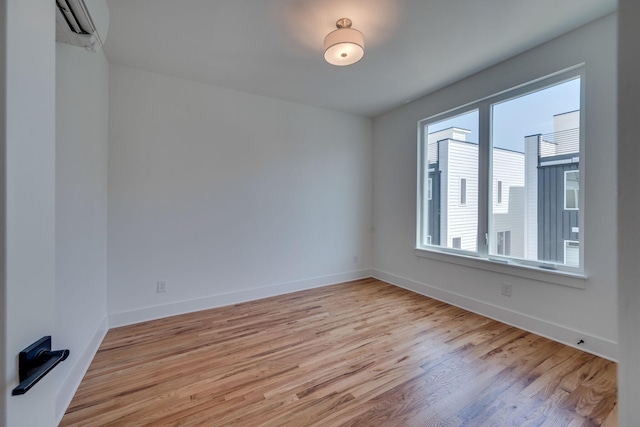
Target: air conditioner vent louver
71	18
74	25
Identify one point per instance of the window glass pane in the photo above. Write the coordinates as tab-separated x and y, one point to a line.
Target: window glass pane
572	253
456	242
571	189
450	209
507	242
535	142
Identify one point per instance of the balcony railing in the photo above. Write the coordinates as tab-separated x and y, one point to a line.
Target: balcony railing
559	143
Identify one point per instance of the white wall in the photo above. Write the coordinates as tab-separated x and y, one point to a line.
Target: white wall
28	145
628	211
560	312
81	210
5	368
228	196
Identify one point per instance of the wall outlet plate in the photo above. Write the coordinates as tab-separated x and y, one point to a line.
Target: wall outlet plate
161	286
506	289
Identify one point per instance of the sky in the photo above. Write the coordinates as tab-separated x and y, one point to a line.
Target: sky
526	115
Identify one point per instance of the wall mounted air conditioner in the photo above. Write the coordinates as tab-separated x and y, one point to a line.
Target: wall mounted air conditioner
82	23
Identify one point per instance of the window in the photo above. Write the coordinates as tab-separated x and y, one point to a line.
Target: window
571	189
571	253
428	240
503	243
500	176
456	242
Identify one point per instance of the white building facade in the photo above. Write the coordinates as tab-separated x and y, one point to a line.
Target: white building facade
534	194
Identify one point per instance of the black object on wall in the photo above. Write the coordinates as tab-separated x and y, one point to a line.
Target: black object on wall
36	361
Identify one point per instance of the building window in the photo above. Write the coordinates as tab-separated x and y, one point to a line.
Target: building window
571	190
572	253
507	162
503	243
428	240
456	243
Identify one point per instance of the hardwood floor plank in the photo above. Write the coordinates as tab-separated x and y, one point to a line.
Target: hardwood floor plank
362	353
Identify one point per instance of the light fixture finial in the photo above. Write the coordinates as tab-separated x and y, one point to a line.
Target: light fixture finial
343	23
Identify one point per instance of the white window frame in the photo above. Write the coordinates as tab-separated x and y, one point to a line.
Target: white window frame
552	272
577	192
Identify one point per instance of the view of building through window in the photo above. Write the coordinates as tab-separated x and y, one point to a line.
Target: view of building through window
534	185
453	174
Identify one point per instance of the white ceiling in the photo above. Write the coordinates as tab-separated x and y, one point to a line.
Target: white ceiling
274	47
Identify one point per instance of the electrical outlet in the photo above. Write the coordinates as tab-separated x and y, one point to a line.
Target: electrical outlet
506	289
161	286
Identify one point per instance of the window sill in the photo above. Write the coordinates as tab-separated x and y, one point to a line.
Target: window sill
574	280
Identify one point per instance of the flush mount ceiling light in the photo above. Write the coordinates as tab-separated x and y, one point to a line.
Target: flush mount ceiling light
344	46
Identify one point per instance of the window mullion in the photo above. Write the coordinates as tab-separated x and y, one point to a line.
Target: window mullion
484	168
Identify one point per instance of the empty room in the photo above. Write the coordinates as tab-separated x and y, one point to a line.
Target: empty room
320	213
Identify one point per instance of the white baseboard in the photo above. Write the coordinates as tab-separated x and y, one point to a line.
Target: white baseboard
158	312
73	380
592	344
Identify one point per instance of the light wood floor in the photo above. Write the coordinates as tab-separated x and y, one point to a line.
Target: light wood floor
363	353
